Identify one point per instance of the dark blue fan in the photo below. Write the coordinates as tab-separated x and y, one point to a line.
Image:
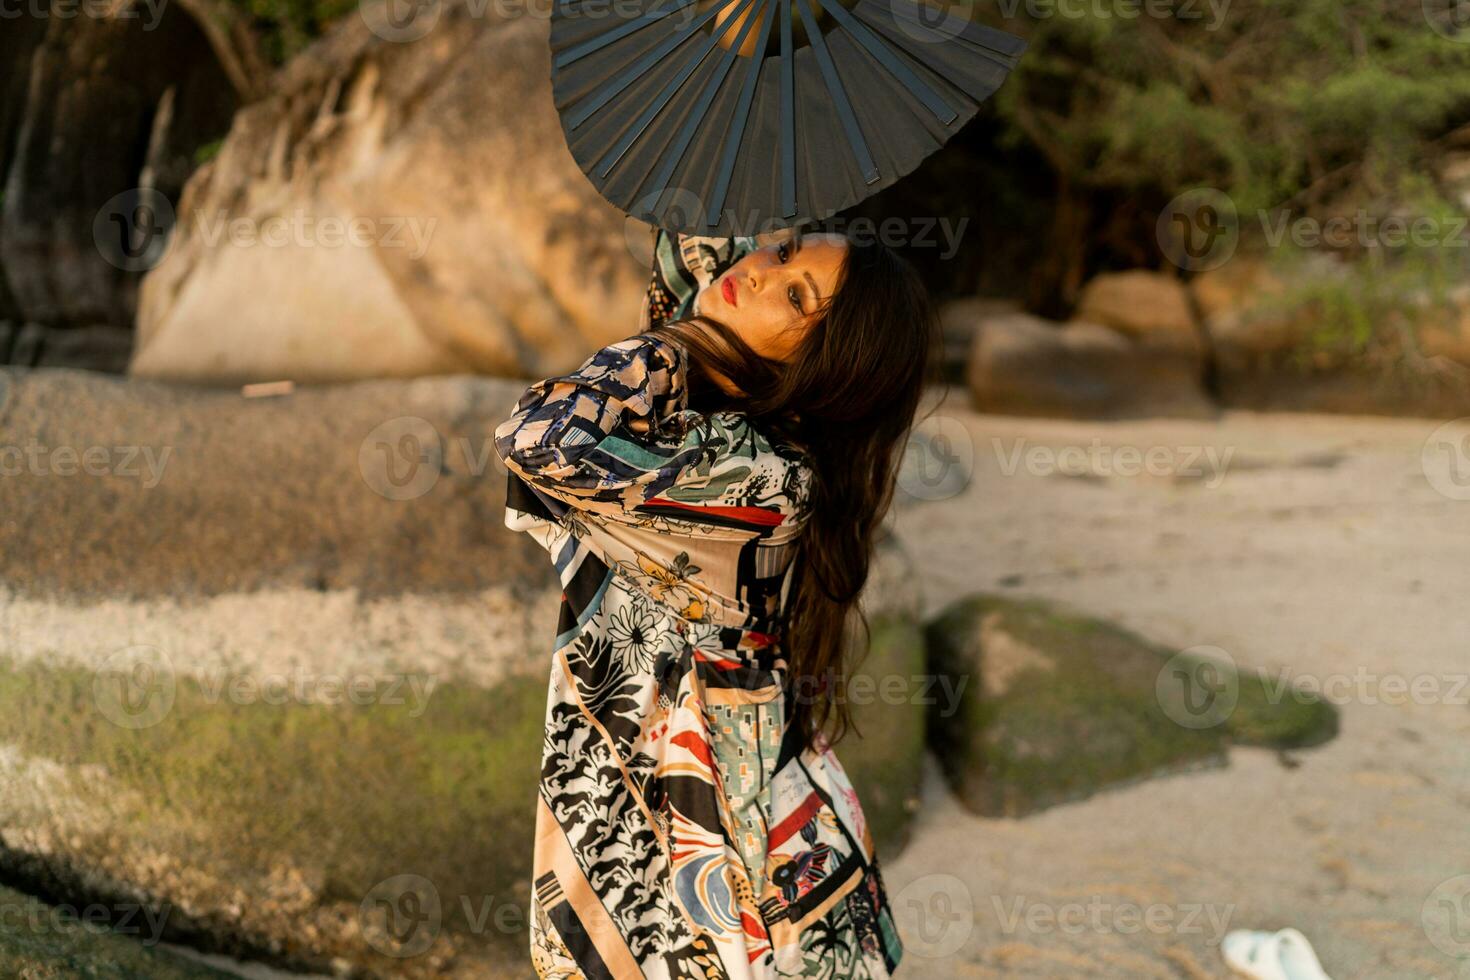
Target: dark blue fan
734	117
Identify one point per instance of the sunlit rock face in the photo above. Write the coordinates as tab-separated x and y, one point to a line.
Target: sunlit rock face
394	208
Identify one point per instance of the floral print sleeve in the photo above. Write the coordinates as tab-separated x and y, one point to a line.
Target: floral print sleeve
616	436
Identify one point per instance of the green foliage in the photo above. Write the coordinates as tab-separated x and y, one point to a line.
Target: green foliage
284	27
1258	98
207	152
1372	308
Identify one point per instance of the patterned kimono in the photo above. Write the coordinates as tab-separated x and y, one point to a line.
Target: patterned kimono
680	833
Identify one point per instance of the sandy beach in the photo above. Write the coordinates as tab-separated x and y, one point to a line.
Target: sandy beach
1321	551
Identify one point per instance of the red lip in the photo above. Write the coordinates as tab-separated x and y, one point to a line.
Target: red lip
727	289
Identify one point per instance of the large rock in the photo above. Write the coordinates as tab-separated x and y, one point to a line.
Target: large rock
958	321
1151	308
1446	334
884	754
97	102
1022	365
1056	706
43	942
1312	339
192	586
98	348
480	245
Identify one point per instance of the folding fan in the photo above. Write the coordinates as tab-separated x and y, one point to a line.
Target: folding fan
734	117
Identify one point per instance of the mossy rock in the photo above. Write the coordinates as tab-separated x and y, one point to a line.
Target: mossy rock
42	942
883	754
1054	706
304	808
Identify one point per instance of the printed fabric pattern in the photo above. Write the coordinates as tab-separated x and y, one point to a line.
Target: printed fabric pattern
680	832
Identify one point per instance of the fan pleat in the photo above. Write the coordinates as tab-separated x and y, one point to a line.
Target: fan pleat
732	145
603	39
671	89
838	94
742	115
630	74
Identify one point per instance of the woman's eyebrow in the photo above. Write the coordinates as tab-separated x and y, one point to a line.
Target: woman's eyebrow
795	248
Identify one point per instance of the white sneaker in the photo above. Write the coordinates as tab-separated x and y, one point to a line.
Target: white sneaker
1283	955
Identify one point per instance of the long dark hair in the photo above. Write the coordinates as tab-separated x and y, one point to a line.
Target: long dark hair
847	398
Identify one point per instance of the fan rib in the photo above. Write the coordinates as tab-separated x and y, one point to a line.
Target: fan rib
703	106
610	159
788	116
839	94
564	58
932	101
916	49
1008	45
738	121
636	70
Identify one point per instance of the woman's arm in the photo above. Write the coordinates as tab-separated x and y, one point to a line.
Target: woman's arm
611	434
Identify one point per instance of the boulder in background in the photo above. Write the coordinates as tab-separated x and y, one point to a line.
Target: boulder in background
1023	365
480	244
1057	706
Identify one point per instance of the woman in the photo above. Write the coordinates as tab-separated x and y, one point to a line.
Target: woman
708	490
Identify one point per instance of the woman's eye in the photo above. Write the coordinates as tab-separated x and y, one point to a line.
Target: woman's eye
794	295
782	251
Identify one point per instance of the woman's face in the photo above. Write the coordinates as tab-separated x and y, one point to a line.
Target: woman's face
769	296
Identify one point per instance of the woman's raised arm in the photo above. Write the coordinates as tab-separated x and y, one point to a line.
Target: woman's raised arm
611	434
